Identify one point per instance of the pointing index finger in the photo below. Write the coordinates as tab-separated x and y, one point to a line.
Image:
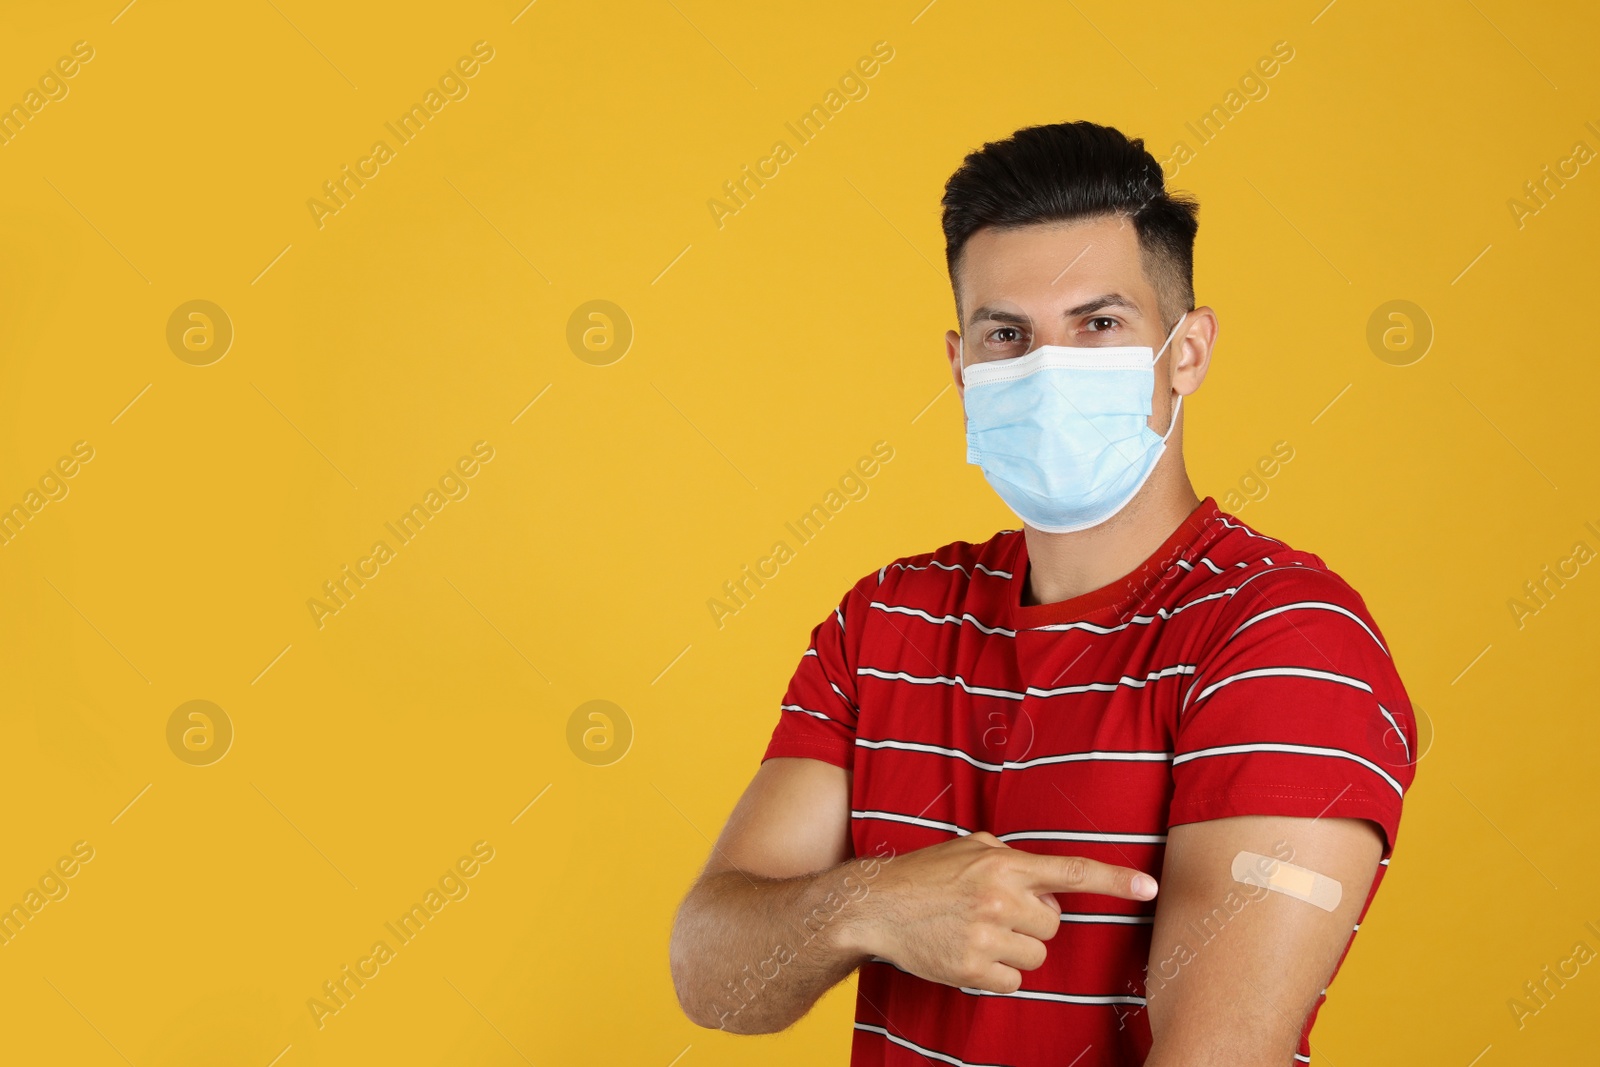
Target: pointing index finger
1079	874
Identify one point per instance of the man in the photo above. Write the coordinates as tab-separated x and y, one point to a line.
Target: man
988	750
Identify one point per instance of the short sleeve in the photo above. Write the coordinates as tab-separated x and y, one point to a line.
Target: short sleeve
817	718
1297	709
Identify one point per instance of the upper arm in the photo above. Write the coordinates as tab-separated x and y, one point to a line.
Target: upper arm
1235	968
794	816
793	819
1294	740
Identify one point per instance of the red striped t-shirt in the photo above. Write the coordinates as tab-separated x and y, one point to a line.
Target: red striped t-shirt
1228	675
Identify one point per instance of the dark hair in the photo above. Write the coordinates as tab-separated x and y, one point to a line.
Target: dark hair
1076	170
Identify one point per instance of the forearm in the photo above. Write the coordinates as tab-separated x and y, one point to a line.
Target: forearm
751	955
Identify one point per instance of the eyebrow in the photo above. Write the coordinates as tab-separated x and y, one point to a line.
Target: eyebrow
1104	300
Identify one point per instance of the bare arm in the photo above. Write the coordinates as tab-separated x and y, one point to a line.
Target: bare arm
1235	968
783	911
755	944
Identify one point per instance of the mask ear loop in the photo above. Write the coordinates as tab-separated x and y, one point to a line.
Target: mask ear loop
1178	406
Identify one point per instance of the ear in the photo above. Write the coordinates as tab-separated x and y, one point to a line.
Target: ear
1194	346
953	353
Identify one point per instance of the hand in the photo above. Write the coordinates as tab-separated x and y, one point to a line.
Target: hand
975	912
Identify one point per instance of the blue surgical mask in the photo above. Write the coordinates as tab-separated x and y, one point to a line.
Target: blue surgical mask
1061	432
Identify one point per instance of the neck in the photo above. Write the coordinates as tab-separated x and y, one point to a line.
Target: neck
1063	566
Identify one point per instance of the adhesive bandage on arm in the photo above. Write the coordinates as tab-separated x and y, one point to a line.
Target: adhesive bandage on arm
1252	868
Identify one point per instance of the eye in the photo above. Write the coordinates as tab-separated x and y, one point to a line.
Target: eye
1102	318
994	335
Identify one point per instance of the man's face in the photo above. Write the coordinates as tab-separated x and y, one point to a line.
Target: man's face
1081	284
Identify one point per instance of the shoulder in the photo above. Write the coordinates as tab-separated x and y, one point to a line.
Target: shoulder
1293	685
1252	566
955	564
1284	602
955	573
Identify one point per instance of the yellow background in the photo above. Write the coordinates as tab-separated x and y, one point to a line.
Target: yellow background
768	355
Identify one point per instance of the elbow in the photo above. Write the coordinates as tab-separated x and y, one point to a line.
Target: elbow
696	1008
698	1014
705	1011
710	992
686	978
694	981
701	1005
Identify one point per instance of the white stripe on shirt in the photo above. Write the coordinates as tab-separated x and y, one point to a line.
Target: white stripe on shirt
1320	604
919	1049
1033	994
1248	531
915	746
952	567
1010	765
939	679
1137	620
1108	687
1274	672
911	820
1034	691
1083	835
1015	835
1075	757
943	619
1398	732
808	711
1294	750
